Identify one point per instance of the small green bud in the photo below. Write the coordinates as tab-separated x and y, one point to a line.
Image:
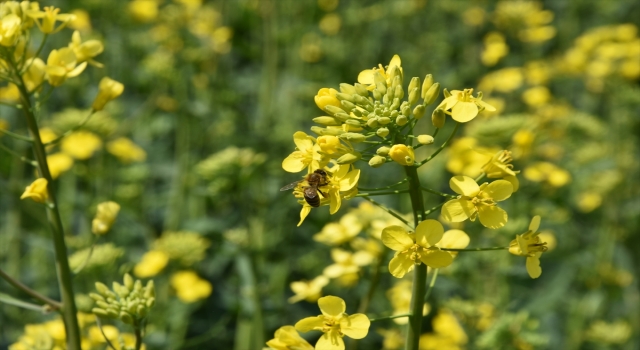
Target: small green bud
394	114
348	106
414	95
432	94
342	116
438	118
102	289
425	139
382	132
100	312
348	89
352	136
333	109
96	297
401	120
418	112
446	93
121	290
102	304
381	87
372	123
151	302
384	120
395	104
377	161
354	122
396	81
324	131
327	121
362	101
128	282
125	317
137	286
398	93
357	112
141	310
383	151
428	81
113	313
385	100
344	97
132	308
378	78
150	290
406	110
396	72
361	90
414	84
349	158
377	95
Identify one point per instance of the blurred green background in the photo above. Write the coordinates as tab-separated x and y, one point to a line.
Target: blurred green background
213	94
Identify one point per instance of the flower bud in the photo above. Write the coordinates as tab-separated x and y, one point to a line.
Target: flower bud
100	312
428	81
96	297
395	104
446	93
102	289
414	84
381	87
37	191
377	161
432	94
402	154
347	106
438	117
341	116
109	89
333	109
349	158
401	120
326	97
378	78
373	122
406	110
348	89
377	95
125	317
354	122
128	282
105	217
361	90
327	121
344	97
399	92
384	120
414	95
418	112
352	136
383	151
325	131
382	132
357	112
425	139
149	290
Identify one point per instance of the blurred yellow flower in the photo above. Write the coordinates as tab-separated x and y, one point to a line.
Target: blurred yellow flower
392	339
189	287
531	246
86	51
495	48
37	191
536	96
126	151
287	338
335	324
330	24
58	164
81	22
466	158
447	333
402	154
346	265
62	64
10	29
336	233
415	248
545	171
109	89
464	107
308	290
105	216
152	263
589	201
144	10
81	144
35	74
400	298
10	93
184	246
48	19
477	201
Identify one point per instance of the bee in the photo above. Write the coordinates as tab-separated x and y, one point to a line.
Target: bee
315	180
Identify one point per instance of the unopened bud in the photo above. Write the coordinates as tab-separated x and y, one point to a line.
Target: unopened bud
100	312
384	120
353	122
361	90
446	93
377	161
399	92
344	97
325	131
352	136
341	116
378	78
347	105
96	297
425	139
438	117
377	95
327	121
402	154
125	317
383	151
372	123
418	112
102	289
331	109
414	83
128	281
149	290
381	87
428	81
395	104
401	120
406	110
349	158
357	112
414	95
432	94
382	132
348	89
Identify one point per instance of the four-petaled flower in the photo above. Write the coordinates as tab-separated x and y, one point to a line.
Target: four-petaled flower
306	155
477	201
500	167
414	248
366	77
530	245
335	324
464	107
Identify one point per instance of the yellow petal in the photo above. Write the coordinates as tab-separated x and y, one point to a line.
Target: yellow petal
464	185
456	239
330	341
429	232
310	323
294	163
437	258
306	209
463	112
350	180
396	238
492	216
535	223
400	265
448	103
355	326
458	210
334	271
533	266
366	77
514	182
336	201
303	141
499	190
332	306
487	107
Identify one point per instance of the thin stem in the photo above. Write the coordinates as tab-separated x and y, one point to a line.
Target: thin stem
385	187
455	129
431	284
426	213
381	193
364	304
9	300
389	317
25	69
16	136
69	311
138	332
66	133
474	249
393	213
17	284
16	154
435	133
104	335
438	193
480	177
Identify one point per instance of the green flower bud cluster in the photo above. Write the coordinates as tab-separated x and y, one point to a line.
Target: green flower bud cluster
129	302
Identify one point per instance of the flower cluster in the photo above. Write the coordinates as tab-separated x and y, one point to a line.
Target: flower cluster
129	302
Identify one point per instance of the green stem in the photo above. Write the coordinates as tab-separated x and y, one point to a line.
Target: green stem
420	271
480	177
138	332
438	193
455	129
435	133
431	284
9	300
474	249
380	193
383	188
426	213
104	335
16	136
16	154
66	133
32	293
63	272
393	213
389	317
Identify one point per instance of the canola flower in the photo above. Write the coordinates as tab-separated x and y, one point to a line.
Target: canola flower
334	323
105	217
287	338
152	263
308	290
530	246
463	107
190	287
37	191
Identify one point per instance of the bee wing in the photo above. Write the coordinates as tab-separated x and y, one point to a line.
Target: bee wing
291	185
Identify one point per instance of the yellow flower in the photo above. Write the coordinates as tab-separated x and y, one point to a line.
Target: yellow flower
81	144
151	264
327	97
287	338
308	290
126	151
62	64
402	154
530	245
414	248
330	144
144	10
86	51
447	333
306	155
400	298
545	171
335	324
366	77
109	89
34	76
346	265
58	164
81	22
499	166
49	17
10	26
477	201
189	287
37	191
105	216
464	107
336	233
